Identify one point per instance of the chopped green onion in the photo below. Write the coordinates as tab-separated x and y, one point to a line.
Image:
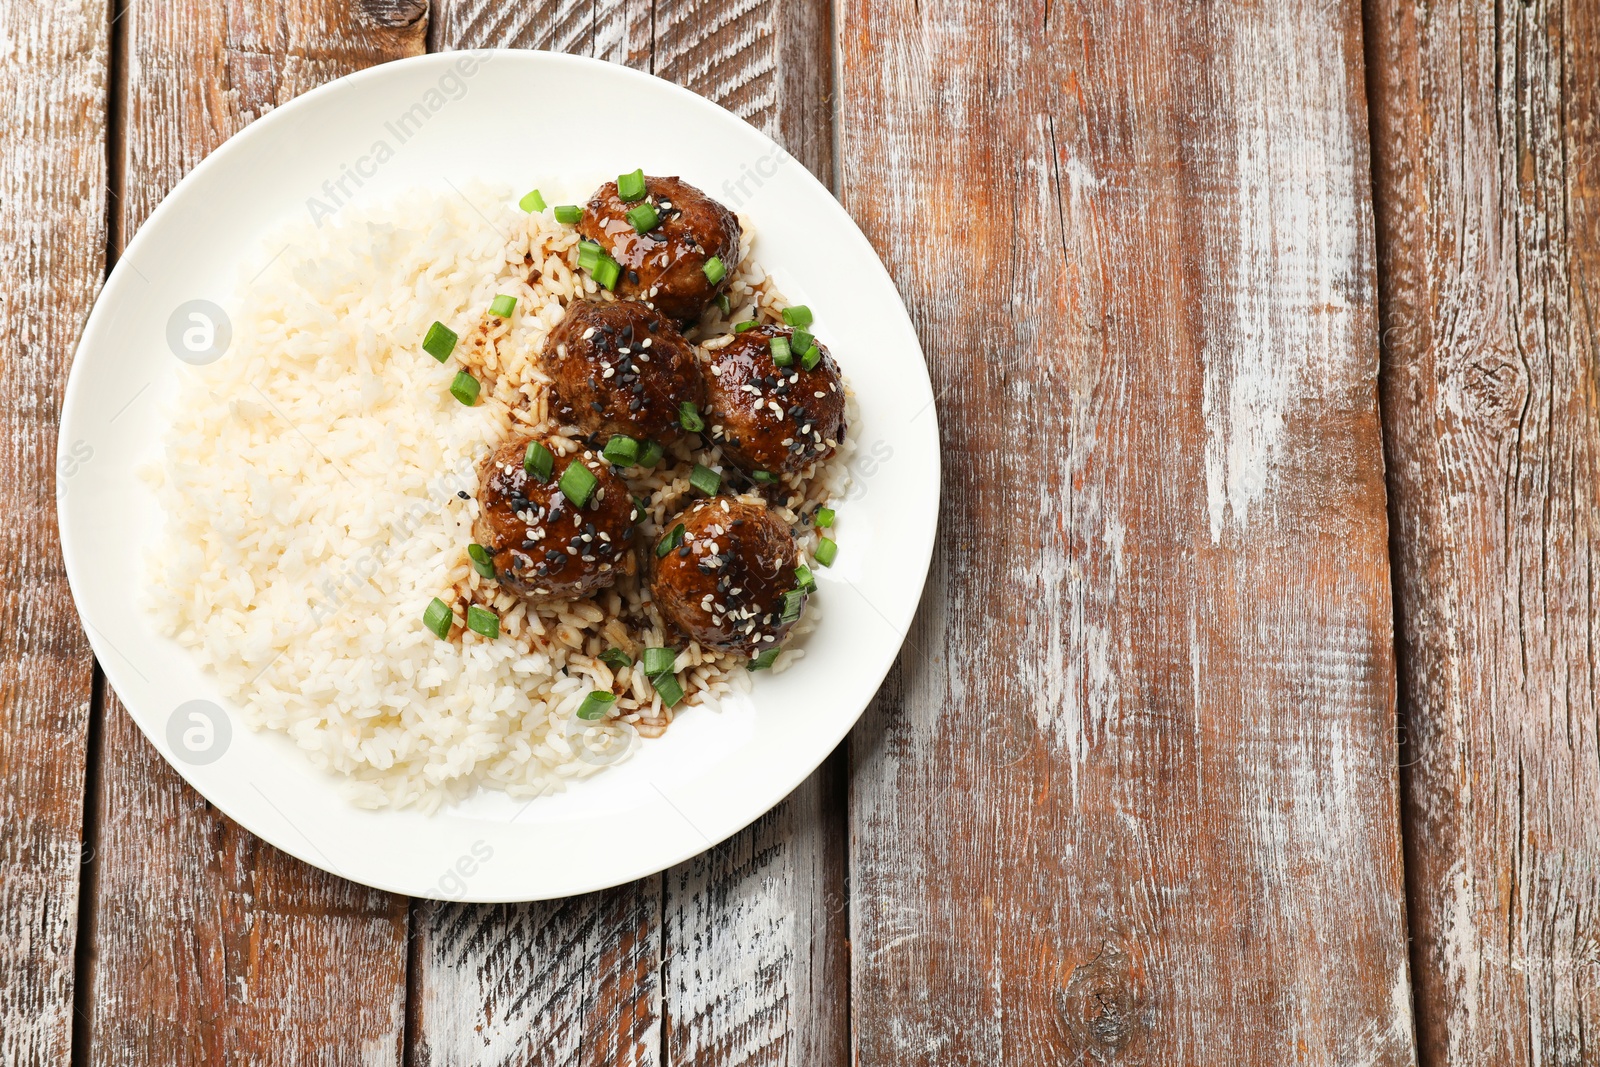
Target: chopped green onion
763	661
658	661
503	306
595	705
764	477
827	551
715	270
807	580
483	621
589	254
811	357
671	541
724	305
532	202
793	601
640	506
649	455
606	273
668	689
578	482
797	316
439	342
616	659
568	213
689	417
800	340
644	218
823	518
465	388
705	479
743	326
621	450
538	461
781	355
482	562
630	187
438	617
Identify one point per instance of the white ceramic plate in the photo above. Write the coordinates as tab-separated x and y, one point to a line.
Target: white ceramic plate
446	120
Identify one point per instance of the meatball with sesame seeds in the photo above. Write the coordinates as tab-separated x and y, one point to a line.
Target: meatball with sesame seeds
774	418
621	368
725	583
666	265
543	543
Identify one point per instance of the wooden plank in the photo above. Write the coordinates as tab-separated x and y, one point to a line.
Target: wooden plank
52	253
749	936
1136	801
1487	186
211	945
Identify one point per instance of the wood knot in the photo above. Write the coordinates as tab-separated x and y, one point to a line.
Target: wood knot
1101	1003
393	14
1492	390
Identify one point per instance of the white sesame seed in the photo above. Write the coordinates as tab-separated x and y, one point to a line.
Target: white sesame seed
586	334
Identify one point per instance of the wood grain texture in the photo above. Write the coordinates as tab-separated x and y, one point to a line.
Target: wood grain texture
211	946
748	963
53	66
1487	153
1135	798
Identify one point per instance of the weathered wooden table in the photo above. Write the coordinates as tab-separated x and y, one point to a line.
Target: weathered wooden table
1135	792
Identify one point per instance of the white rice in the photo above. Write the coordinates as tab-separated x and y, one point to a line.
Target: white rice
310	484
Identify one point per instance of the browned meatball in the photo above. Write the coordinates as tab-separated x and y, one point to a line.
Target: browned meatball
771	418
666	266
725	585
542	545
622	368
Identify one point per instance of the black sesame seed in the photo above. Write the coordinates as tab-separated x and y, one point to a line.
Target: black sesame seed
463	494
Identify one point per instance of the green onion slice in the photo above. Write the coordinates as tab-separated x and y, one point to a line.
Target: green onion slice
671	541
800	340
622	450
465	388
482	562
798	316
807	580
589	254
715	270
606	274
827	551
823	518
538	461
724	305
658	661
630	187
793	602
616	659
644	218
578	483
781	354
763	661
811	357
532	202
439	342
668	689
649	455
595	705
689	417
568	213
743	326
705	479
483	621
438	617
764	477
503	306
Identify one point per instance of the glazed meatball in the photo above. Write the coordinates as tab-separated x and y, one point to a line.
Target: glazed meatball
724	585
543	545
665	266
622	368
771	418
